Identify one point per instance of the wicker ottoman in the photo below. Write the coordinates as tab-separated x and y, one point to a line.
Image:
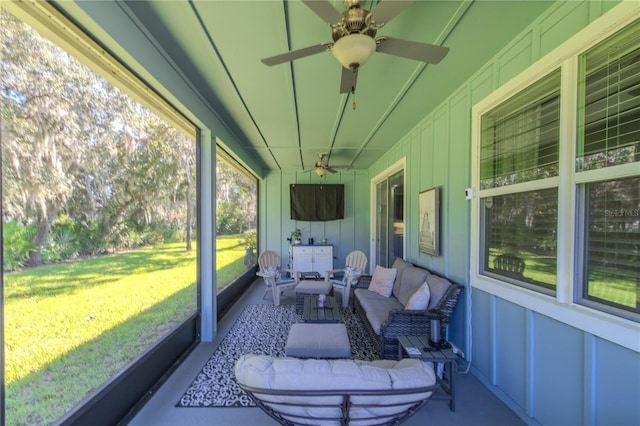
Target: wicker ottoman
308	287
318	341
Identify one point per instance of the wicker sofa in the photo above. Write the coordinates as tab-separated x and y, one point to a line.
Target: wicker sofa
385	318
336	392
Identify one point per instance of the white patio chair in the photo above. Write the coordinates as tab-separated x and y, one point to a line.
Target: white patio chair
271	271
355	265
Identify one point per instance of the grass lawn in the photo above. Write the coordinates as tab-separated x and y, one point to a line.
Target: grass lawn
69	327
542	270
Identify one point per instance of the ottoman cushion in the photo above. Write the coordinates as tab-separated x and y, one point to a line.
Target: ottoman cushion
318	341
313	287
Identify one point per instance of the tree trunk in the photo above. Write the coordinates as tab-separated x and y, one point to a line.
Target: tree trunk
189	222
44	228
189	207
35	257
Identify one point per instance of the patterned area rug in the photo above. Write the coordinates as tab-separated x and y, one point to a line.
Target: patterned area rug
262	330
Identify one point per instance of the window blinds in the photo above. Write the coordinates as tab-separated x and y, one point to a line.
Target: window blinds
609	115
519	141
612	235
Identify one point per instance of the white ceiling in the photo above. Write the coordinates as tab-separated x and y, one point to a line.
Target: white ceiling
285	115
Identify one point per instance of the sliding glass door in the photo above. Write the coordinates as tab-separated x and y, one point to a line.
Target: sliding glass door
389	219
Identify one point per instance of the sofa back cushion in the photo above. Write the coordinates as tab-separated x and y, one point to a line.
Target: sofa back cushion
399	264
412	279
438	287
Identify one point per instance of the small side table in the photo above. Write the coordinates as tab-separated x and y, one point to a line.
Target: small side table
407	346
310	275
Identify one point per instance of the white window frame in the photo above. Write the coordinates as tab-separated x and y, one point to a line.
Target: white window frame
517	188
562	306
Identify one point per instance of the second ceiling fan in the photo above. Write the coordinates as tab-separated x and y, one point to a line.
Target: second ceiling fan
353	33
322	166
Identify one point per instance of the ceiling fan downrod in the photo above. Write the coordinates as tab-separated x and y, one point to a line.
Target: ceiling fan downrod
354	70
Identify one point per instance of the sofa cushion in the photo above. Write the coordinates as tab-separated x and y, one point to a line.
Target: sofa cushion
382	280
367	297
438	287
412	279
420	299
266	372
363	293
377	307
399	264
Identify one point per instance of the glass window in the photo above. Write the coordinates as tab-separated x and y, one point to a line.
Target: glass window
612	239
98	205
520	237
609	136
609	114
519	144
519	141
559	208
236	220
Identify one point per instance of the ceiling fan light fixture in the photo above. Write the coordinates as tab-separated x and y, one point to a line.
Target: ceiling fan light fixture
354	50
320	171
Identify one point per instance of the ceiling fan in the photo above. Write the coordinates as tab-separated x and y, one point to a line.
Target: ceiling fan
353	33
322	166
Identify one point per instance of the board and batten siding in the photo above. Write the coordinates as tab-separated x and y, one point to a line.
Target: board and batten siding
547	371
346	235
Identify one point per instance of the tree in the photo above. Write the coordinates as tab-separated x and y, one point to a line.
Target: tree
73	143
50	107
236	200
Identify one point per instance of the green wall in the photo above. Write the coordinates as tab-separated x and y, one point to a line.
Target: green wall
346	234
547	371
438	150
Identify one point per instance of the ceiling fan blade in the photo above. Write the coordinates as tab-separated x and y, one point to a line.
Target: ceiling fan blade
345	167
386	10
423	52
330	170
325	10
349	80
297	54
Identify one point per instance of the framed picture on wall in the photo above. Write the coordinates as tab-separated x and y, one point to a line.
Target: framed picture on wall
429	221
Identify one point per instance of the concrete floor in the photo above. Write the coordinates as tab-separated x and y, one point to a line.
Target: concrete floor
475	404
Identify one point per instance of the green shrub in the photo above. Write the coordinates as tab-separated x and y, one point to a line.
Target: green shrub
251	240
17	243
62	243
91	238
